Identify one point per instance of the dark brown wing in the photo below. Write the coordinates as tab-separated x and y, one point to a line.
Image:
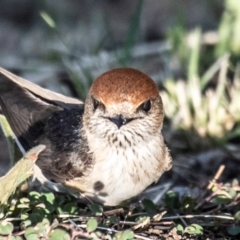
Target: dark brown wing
39	116
27	106
46	95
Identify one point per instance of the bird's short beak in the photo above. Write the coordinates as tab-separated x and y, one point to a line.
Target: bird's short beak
119	120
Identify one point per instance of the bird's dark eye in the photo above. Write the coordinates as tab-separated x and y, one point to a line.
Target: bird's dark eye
146	106
95	103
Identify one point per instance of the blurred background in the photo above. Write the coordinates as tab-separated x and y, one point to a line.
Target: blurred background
190	48
45	40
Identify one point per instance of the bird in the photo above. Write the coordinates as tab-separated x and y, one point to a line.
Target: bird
109	148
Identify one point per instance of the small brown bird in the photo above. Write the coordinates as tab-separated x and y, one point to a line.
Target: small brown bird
110	148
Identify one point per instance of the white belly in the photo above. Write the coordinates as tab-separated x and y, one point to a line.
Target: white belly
120	174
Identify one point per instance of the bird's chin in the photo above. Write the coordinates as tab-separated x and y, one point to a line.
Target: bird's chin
134	132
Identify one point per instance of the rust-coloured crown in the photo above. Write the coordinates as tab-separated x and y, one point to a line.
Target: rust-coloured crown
123	84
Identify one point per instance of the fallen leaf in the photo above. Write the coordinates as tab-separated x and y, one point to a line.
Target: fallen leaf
19	173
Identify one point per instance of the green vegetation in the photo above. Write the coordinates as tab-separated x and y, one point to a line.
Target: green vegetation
54	216
205	105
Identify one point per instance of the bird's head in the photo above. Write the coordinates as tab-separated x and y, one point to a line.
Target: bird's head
123	101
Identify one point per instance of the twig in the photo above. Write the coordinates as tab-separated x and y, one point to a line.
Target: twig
216	177
12	219
152	223
114	211
70	215
211	183
75	225
113	230
182	220
198	216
